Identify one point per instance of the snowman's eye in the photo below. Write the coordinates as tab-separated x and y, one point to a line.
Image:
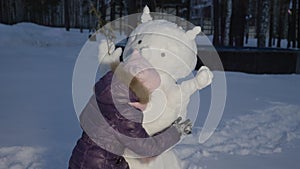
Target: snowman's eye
163	54
140	41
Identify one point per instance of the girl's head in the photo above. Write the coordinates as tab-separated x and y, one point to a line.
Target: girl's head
139	75
143	71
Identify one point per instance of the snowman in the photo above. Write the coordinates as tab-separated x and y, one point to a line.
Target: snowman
172	52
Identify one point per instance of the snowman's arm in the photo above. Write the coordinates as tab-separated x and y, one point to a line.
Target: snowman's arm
189	87
203	78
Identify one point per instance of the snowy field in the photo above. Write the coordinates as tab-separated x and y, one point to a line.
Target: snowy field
260	127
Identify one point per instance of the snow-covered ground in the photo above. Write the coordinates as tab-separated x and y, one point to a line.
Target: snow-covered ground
260	127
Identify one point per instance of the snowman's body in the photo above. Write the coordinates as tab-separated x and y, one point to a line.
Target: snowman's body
173	53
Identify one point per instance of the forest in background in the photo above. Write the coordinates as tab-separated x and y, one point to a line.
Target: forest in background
271	19
232	20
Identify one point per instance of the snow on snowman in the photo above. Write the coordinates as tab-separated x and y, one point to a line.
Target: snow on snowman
172	52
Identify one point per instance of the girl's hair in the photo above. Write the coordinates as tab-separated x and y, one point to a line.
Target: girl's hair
142	93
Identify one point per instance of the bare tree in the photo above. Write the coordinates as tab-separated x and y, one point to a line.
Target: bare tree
67	15
284	4
80	16
112	10
248	19
222	21
151	4
271	23
264	23
294	23
103	12
2	11
276	16
298	24
132	9
238	21
216	39
7	12
228	10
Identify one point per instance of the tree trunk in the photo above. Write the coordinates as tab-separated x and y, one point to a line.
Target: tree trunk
241	22
188	12
233	29
10	9
227	22
294	23
280	25
222	18
132	9
67	15
103	13
284	4
271	23
298	24
151	4
264	23
248	19
276	13
80	16
258	16
216	37
290	28
238	21
2	12
112	10
19	10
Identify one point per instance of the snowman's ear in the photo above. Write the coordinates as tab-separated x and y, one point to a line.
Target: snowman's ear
146	15
193	33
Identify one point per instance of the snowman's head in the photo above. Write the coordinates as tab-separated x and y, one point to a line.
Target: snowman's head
165	45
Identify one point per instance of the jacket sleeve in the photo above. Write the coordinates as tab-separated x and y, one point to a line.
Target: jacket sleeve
132	134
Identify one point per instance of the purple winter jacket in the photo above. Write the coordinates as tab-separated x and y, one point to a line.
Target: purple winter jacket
110	125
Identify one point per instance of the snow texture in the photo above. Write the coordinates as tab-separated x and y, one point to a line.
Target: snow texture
21	157
260	132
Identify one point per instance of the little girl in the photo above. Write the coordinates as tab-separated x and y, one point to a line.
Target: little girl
119	97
